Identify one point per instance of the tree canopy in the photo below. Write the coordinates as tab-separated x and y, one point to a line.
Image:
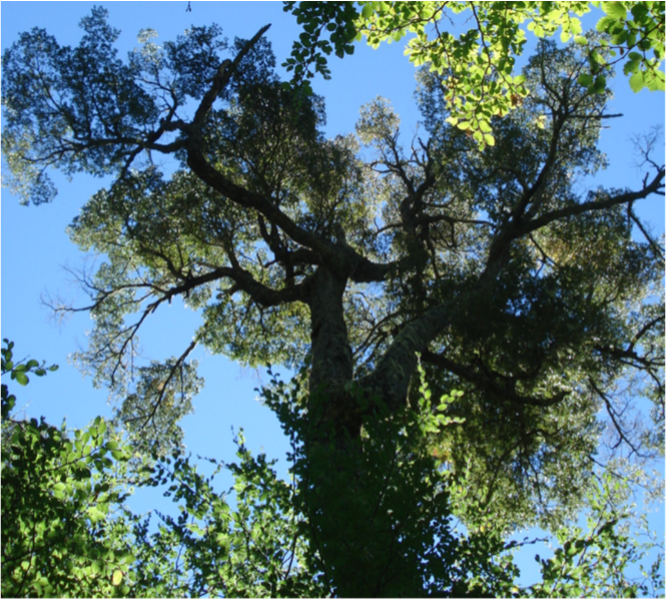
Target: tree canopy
371	267
479	81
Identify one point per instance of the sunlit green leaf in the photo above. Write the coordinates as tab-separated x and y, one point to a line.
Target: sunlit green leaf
614	9
637	81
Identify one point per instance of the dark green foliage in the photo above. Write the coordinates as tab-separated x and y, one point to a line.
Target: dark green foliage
58	494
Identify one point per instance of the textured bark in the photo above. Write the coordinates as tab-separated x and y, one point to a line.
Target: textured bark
331	356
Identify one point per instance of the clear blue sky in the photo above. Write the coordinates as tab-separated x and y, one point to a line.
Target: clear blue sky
35	246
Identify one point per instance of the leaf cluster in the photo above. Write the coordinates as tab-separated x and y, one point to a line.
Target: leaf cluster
478	66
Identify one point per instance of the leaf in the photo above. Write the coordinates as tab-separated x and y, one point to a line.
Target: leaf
367	11
585	79
605	23
20	377
600	84
614	9
117	578
636	82
484	126
639	11
489	139
652	81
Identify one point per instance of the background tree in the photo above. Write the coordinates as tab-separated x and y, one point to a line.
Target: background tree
298	251
479	82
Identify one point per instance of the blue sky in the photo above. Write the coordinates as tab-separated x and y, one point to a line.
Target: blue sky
35	246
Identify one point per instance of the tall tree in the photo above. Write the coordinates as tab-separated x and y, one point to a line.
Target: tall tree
531	299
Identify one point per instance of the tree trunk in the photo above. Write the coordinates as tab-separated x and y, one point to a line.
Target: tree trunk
353	537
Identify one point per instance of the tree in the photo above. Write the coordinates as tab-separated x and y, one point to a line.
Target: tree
530	299
478	67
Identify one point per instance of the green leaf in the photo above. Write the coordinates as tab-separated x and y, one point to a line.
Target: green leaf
615	10
636	82
585	79
21	378
600	84
605	23
117	577
639	10
652	81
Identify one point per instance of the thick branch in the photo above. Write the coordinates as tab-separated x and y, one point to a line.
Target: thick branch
259	293
252	200
390	379
221	79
